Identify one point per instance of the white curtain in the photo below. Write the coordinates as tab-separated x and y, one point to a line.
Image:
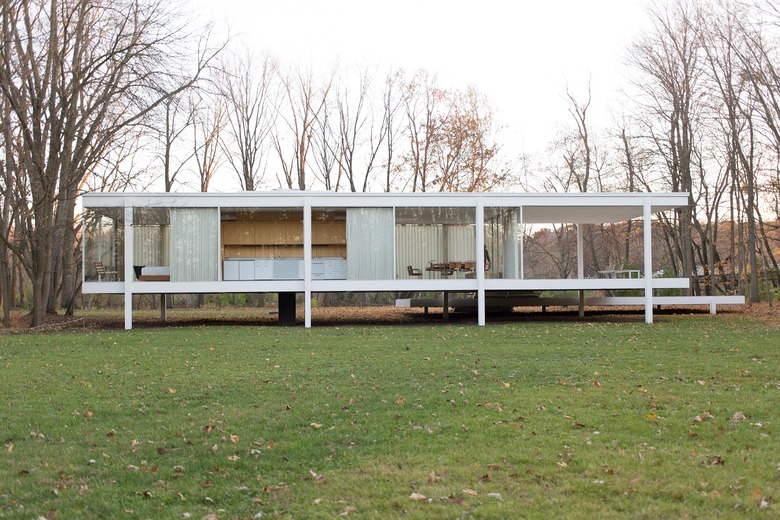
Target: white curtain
150	245
370	243
461	243
194	251
417	246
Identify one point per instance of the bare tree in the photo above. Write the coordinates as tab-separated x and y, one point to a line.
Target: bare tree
77	75
177	119
360	134
305	101
326	149
210	120
668	58
391	104
249	87
423	103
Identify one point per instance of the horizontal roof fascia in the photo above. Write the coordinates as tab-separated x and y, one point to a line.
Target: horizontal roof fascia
537	207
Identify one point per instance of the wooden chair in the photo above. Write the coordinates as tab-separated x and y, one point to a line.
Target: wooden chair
101	272
413	271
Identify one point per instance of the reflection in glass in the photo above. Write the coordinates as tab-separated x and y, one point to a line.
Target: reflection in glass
503	241
104	245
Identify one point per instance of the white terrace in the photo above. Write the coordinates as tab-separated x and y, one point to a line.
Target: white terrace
290	242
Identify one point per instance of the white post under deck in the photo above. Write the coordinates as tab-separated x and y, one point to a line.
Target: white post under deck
128	210
480	223
648	263
307	263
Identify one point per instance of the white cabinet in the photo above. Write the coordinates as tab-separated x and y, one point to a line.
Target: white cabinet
264	269
230	271
283	269
238	269
328	269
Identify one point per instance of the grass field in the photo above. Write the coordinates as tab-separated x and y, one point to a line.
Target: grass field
607	419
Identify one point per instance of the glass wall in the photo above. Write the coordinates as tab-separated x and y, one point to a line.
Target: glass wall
104	240
176	244
151	242
503	243
435	243
262	244
329	243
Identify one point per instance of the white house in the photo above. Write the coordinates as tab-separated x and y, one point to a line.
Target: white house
290	242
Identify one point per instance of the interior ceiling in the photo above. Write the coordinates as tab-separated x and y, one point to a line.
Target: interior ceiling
580	214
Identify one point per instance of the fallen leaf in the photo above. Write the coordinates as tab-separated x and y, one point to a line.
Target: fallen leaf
317	501
652	416
400	401
315	425
739	416
596	383
233	458
347	510
431	478
171	390
562	464
234	438
469	492
418	496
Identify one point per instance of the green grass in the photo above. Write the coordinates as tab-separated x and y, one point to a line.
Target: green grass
575	419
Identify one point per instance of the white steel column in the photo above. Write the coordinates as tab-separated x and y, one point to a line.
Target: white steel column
648	267
521	239
480	223
580	270
128	283
307	263
580	254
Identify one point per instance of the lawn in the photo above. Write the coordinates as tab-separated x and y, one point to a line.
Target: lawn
580	419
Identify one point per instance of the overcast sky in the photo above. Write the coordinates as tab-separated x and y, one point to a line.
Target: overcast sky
521	54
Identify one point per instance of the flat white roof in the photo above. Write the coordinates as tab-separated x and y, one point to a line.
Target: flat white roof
586	208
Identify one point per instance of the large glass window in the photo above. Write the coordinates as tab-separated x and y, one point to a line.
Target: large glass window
151	243
435	242
329	244
262	244
104	245
503	243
